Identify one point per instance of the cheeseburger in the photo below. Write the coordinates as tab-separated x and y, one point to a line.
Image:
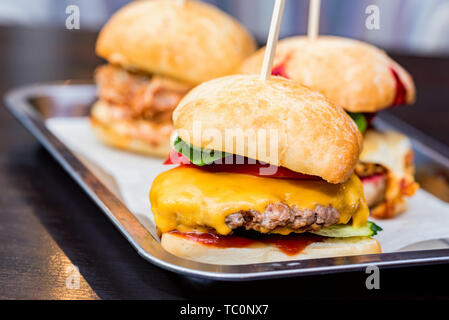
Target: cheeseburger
280	187
363	80
157	51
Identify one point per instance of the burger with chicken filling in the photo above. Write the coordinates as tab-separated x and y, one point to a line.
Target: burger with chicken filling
156	52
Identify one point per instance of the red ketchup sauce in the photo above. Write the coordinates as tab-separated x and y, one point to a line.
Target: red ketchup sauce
291	244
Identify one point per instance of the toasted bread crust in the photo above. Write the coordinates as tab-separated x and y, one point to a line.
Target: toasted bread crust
313	136
193	42
353	74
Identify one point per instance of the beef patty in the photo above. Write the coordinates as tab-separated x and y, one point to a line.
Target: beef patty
281	215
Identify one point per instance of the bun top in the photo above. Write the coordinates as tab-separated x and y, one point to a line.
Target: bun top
355	75
194	42
277	121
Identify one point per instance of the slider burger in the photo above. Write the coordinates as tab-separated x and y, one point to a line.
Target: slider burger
363	80
265	173
157	51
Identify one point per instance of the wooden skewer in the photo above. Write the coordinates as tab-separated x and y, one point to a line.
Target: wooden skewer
314	19
273	37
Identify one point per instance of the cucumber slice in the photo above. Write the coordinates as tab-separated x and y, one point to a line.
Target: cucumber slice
345	231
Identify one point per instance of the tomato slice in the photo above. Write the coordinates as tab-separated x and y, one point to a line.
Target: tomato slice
255	169
401	90
175	157
280	71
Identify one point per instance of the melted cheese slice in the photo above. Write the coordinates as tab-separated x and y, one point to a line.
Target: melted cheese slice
188	198
392	150
387	148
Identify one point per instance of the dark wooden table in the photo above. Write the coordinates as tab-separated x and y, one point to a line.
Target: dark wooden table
48	224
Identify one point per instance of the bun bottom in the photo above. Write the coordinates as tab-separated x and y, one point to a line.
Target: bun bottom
261	252
113	138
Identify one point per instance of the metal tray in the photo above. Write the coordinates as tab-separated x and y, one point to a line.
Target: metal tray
32	105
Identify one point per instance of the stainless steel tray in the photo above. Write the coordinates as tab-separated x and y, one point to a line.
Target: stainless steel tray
32	105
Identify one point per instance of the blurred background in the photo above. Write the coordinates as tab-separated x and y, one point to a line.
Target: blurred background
406	26
36	45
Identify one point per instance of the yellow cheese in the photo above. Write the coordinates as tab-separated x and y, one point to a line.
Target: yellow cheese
387	148
188	198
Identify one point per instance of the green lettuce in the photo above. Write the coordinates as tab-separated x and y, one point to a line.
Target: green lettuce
197	156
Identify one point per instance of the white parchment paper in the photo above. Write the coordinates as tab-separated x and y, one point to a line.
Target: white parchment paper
426	219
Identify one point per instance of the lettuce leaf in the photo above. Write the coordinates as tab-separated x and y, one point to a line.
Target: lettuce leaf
360	121
198	156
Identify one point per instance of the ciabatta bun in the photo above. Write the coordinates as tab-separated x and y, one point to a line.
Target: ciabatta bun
355	75
130	135
314	136
193	42
261	252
